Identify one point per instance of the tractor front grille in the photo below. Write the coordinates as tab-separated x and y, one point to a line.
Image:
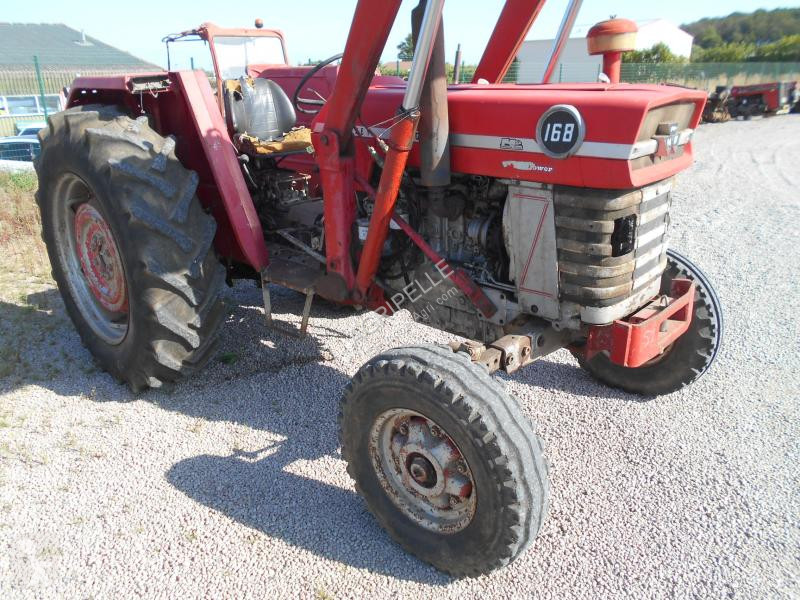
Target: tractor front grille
611	247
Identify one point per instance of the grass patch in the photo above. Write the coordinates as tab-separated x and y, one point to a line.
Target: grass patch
21	246
228	358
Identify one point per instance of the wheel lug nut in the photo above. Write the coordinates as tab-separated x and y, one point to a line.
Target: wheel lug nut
455	501
435	431
403	429
461	467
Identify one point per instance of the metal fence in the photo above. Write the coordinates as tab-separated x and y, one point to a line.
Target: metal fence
698	75
709	75
29	93
468	71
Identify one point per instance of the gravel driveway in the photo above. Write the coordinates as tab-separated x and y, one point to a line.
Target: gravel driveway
231	484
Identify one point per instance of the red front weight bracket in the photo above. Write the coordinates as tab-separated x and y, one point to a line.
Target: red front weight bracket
648	332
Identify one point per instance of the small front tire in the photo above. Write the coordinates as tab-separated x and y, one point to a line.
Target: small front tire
445	459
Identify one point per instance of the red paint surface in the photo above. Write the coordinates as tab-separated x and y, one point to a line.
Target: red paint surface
770	92
613	114
647	333
512	26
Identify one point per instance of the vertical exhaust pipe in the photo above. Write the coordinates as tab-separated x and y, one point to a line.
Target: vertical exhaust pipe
457	66
434	125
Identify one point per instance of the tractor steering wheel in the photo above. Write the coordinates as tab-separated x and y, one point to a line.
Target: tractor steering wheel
297	100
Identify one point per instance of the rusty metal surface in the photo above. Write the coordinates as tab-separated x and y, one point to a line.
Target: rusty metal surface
516	350
422	471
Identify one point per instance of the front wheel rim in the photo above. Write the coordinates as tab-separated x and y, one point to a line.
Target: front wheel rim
89	256
422	471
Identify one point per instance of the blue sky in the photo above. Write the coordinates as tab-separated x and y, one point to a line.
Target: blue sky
318	28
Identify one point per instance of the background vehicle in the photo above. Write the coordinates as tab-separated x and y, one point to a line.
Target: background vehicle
19	148
523	218
763	99
718	106
30	129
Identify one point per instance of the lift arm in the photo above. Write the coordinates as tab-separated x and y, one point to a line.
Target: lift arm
333	133
333	142
512	26
333	128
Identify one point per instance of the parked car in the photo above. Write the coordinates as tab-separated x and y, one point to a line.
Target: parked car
29	129
18	148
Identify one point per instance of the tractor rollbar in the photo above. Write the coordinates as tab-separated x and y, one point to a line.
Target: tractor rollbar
561	39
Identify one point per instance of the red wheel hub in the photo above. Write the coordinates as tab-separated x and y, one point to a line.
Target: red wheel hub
99	258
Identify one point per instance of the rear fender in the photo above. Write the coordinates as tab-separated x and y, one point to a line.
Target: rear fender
185	108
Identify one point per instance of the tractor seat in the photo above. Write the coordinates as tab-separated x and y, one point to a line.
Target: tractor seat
263	119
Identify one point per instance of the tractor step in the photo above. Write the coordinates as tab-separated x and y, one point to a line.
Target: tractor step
293	276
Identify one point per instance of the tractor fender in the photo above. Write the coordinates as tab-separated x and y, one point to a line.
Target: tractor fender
184	107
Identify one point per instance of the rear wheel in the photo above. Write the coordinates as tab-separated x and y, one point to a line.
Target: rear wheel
444	458
129	244
684	361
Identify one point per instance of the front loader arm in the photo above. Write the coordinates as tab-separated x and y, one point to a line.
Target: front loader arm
332	135
512	26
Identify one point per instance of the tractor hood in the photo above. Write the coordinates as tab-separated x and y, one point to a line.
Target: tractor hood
632	135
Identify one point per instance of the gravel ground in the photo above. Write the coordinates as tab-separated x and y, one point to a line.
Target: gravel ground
232	485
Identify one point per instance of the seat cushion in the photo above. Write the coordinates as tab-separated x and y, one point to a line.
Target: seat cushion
296	140
259	108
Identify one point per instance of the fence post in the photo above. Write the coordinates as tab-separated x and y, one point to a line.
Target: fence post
41	84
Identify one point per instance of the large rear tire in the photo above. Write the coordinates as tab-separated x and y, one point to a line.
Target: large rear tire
685	361
129	244
445	459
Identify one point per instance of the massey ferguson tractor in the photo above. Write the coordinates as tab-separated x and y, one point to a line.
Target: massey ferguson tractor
777	97
544	208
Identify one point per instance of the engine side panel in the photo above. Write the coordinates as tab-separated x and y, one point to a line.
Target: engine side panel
530	237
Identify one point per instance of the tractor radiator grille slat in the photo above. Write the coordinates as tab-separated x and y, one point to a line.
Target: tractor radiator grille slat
611	244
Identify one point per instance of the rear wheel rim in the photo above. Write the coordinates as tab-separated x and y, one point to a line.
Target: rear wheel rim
90	259
422	471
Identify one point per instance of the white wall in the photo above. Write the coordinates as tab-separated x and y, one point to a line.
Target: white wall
660	30
575	63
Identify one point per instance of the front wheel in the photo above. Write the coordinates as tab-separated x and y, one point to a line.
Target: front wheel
444	458
684	361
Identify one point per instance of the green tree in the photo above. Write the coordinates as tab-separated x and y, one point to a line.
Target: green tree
660	53
405	49
758	27
708	38
734	52
785	49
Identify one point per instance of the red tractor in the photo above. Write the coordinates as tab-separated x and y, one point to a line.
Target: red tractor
763	99
543	209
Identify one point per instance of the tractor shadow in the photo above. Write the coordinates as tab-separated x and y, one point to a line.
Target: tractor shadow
40	346
258	490
550	375
284	387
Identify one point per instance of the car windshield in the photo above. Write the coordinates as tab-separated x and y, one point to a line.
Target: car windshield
236	53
